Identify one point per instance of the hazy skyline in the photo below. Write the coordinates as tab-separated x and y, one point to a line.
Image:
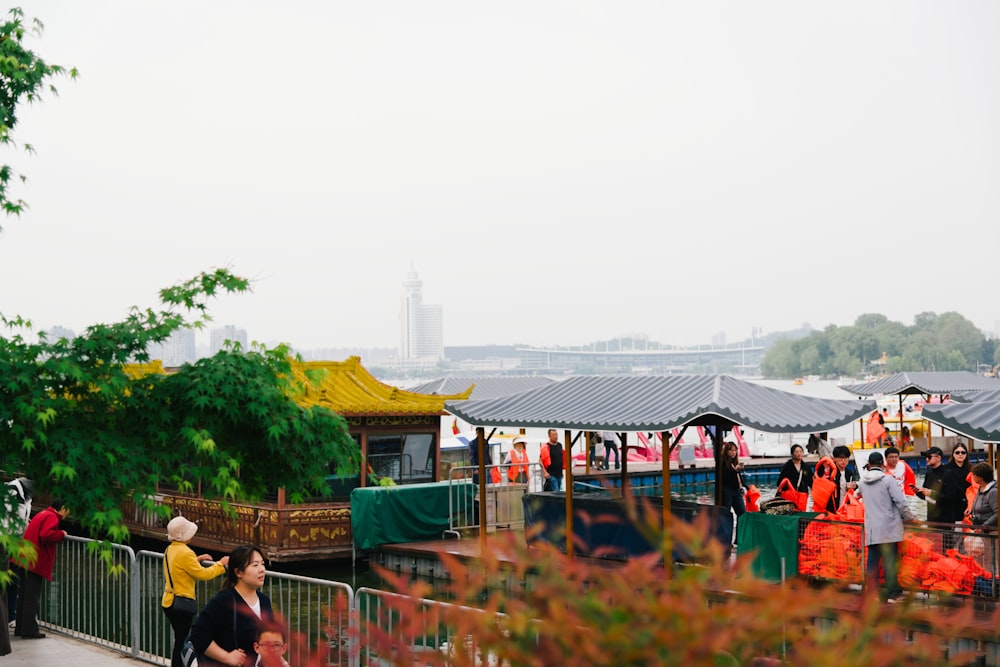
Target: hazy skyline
556	172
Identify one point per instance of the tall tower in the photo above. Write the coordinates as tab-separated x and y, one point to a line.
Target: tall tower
421	328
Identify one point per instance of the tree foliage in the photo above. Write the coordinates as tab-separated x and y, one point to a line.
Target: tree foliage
562	611
92	431
946	342
23	78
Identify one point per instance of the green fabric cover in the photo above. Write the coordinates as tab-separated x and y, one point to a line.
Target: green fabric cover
772	537
406	513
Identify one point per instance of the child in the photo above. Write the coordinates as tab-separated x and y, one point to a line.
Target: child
270	646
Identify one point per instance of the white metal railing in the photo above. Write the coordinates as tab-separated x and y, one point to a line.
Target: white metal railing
118	607
504	508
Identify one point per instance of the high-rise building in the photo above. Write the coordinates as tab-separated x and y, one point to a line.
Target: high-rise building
228	332
422	328
177	350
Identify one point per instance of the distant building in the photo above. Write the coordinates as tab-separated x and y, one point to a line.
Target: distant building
739	359
228	332
177	350
55	333
422	326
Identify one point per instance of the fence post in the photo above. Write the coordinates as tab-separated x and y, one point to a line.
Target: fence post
134	603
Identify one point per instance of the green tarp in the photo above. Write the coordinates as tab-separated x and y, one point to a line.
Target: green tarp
772	537
406	513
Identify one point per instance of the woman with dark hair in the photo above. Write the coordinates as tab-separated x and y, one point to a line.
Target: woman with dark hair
226	629
984	509
732	481
797	471
956	480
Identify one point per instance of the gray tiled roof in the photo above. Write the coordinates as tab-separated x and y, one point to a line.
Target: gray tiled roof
976	396
487	386
979	420
925	382
658	403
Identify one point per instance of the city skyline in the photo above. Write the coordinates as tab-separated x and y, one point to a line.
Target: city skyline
556	173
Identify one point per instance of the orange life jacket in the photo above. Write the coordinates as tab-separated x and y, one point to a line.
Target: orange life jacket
875	429
519	461
823	487
852	509
970	497
753	498
788	492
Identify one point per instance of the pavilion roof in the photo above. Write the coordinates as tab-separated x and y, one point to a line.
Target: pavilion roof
660	403
924	382
347	388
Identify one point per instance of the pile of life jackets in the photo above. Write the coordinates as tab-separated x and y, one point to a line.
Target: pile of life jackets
833	547
923	566
833	544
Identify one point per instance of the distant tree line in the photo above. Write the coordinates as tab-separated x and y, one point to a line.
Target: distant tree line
945	342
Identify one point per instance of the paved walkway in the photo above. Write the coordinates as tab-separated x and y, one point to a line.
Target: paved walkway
58	649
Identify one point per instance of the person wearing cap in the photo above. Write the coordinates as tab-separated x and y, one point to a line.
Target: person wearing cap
517	461
885	511
938	508
181	567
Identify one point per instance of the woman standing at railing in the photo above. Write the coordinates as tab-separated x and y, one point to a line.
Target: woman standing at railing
180	570
226	629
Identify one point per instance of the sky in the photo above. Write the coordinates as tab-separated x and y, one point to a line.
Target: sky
556	172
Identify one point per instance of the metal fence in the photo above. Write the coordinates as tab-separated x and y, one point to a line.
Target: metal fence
380	628
503	498
116	604
936	557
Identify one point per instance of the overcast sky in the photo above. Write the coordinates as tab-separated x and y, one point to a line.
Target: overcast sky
556	172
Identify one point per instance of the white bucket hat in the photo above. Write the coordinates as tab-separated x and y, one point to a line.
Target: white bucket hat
181	530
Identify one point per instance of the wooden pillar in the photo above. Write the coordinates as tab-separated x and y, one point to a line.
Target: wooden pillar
481	445
568	476
668	544
364	456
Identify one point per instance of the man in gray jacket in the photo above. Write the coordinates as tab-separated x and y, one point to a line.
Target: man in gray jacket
885	511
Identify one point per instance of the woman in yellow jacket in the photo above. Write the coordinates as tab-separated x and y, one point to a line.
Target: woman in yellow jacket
180	569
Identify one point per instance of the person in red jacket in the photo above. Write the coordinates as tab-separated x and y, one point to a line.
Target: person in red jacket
43	531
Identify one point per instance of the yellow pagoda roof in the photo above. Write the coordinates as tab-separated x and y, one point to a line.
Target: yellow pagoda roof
347	388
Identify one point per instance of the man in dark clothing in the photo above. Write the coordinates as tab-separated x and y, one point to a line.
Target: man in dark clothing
551	458
933	481
846	477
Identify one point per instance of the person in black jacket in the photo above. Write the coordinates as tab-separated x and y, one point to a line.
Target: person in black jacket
933	483
226	629
733	490
956	481
797	471
845	479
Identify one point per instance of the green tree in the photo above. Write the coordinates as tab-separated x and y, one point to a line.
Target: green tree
90	430
23	78
870	320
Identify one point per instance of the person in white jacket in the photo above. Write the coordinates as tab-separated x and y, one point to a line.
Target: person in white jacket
885	511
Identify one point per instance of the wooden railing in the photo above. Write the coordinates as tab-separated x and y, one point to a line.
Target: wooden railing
292	532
